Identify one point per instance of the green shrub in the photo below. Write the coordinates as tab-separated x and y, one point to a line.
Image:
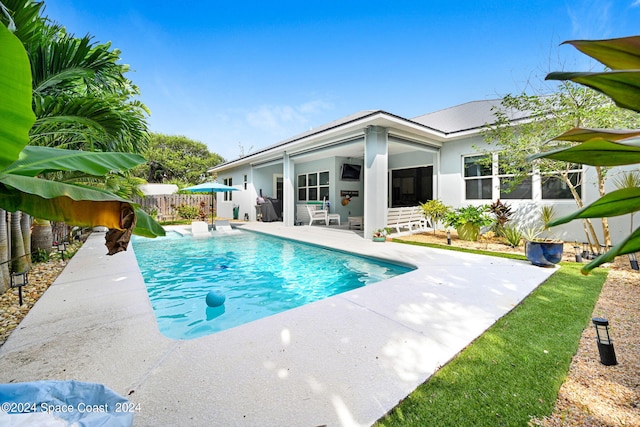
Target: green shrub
502	213
513	236
40	255
476	215
188	212
435	211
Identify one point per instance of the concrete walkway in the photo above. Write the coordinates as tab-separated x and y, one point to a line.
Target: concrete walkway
343	361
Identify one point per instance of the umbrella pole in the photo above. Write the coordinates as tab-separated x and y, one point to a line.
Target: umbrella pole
211	209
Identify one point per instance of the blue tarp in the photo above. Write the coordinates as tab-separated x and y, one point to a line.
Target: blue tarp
60	403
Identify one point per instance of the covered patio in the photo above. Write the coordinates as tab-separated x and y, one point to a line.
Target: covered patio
397	162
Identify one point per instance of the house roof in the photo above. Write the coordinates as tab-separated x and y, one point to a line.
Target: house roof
355	122
470	116
336	123
457	121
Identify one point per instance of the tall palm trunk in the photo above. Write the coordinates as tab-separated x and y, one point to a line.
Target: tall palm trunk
25	227
19	262
4	253
41	235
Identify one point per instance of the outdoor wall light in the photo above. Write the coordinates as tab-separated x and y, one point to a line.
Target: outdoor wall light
18	280
634	261
448	237
576	248
605	345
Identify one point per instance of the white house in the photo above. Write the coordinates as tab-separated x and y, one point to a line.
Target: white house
383	160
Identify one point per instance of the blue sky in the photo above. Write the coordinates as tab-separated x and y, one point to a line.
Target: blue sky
242	75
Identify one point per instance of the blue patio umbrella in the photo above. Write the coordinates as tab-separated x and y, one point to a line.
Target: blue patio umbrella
210	187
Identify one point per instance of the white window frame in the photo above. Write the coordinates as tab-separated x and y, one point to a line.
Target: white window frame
478	178
496	177
316	189
228	195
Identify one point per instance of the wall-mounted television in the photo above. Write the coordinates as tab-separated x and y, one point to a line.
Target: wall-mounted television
350	172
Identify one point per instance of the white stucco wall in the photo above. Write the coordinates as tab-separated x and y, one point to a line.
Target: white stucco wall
238	198
452	193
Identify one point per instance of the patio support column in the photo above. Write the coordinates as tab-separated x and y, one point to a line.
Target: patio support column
376	178
436	176
288	196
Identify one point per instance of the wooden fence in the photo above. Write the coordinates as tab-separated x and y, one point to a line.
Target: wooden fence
164	205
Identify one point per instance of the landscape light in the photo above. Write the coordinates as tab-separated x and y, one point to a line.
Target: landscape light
576	248
448	237
62	246
18	280
634	261
605	344
585	250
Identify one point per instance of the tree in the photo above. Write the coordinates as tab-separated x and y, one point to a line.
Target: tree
81	97
20	165
546	116
602	147
177	158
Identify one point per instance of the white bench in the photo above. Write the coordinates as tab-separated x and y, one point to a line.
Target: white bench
410	218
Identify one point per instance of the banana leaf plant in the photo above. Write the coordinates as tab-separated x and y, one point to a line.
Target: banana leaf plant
600	147
21	165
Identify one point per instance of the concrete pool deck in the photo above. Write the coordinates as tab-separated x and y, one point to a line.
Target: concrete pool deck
343	361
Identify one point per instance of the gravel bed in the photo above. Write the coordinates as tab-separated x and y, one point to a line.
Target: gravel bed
41	276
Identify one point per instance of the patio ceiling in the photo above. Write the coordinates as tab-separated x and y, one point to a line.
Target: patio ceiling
355	150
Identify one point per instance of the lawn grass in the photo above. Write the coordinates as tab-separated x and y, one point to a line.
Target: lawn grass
514	370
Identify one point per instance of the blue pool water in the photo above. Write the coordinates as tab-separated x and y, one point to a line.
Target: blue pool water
260	275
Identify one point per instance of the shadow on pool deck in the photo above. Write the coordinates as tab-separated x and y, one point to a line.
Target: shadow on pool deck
346	360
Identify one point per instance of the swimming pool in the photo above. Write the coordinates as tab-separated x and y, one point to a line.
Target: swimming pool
259	275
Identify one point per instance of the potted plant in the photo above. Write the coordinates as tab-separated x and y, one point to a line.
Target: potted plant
541	247
468	220
380	235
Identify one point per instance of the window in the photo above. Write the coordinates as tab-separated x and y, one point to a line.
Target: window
478	177
509	189
411	186
313	186
244	181
555	187
228	194
486	178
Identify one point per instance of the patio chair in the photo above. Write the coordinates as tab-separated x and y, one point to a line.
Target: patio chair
330	216
317	215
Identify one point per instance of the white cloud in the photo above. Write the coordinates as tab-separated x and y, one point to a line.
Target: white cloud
279	119
273	118
635	3
317	106
591	19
